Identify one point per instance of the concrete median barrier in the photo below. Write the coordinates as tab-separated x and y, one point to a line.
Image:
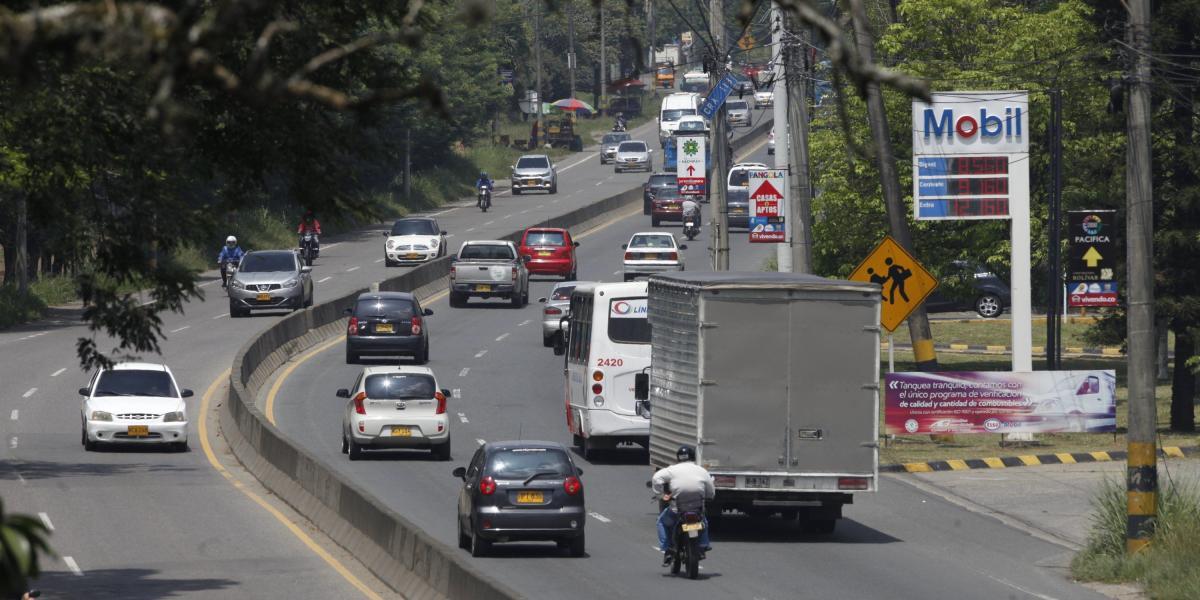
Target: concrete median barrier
397	551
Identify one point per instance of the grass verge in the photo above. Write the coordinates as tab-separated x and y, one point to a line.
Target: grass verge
1170	568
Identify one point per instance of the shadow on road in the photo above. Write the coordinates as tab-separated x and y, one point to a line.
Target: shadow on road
125	584
528	550
738	528
38	469
623	455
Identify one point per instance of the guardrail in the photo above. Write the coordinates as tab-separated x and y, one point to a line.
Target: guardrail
397	551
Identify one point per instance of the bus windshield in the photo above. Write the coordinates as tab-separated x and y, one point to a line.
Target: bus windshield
627	322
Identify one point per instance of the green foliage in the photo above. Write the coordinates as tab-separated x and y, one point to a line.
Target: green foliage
16	307
22	541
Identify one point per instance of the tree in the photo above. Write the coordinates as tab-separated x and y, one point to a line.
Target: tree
22	540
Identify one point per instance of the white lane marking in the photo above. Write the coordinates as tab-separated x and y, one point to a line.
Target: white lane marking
462	417
14	414
599	517
30	337
73	566
1021	589
328	246
489	222
13	442
456	392
599	183
508	216
573	193
206	284
541	206
525	322
464	371
501	338
449	235
220	316
525	211
29	393
181	329
378	260
324	280
438	214
480	441
470	230
58	372
477	354
352	269
616	272
46	521
586	158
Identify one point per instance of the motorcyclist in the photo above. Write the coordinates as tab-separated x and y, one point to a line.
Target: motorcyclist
691	207
230	253
484	181
309	223
684	477
621	123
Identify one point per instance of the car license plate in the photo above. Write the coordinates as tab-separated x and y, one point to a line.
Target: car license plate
137	430
544	253
693	526
483	288
412	256
529	497
757	481
263	297
385	328
531	182
401	431
650	256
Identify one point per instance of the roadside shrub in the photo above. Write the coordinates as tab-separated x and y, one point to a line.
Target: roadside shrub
16	307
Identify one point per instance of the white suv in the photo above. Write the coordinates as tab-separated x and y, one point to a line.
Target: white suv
134	402
395	407
739	176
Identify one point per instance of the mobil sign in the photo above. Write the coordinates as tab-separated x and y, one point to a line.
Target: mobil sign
972	123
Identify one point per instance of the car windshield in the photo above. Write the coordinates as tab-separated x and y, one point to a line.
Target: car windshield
652	241
399	386
391	308
545	238
533	162
632	147
520	463
627	322
739	178
414	227
486	252
668	193
663	181
691	126
738	197
736	105
562	292
613	138
135	382
673	114
268	262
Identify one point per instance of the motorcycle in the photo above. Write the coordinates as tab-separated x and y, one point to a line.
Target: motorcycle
685	537
691	226
310	247
228	270
619	126
485	198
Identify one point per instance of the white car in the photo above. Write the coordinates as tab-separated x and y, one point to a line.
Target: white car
395	407
413	240
632	155
134	402
764	98
739	176
650	252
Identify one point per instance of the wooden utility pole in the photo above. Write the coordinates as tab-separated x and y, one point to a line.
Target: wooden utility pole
1142	478
719	143
918	320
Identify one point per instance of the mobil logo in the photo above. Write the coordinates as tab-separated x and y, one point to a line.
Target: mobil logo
947	122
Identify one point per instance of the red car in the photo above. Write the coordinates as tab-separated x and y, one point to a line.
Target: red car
552	252
667	205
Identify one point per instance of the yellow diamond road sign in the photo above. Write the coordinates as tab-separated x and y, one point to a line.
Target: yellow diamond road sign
905	283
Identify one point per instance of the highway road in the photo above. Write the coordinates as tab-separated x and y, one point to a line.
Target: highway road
141	523
899	543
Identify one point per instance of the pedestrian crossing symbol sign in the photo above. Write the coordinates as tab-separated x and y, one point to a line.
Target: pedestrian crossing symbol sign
904	283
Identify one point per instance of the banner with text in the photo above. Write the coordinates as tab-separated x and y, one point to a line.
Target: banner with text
1001	402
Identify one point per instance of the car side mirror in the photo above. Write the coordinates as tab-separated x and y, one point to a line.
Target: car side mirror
186	393
427	312
624	246
683	246
343	393
306	269
85	392
460	472
576	244
559	347
578	471
446	393
386	234
542	300
526	258
641	386
444	233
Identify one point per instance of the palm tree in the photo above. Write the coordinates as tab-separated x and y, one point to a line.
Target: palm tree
22	540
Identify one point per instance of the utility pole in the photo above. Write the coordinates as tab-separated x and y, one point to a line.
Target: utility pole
408	165
1142	479
800	211
1054	280
603	58
21	261
537	34
918	320
571	44
720	143
650	33
779	110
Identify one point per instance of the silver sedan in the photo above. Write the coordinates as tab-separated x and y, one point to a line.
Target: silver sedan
557	306
633	155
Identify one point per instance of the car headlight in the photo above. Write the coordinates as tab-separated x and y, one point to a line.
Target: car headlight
433	242
237	285
100	415
291	283
174	417
391	244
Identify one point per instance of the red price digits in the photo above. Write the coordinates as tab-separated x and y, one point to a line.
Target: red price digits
994	186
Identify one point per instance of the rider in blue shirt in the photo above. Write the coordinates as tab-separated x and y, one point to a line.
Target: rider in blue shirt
231	253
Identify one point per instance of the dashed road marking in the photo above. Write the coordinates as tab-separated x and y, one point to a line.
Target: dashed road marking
30	337
13	442
351	269
220	316
324	280
328	246
470	230
477	354
73	566
616	272
29	393
46	521
489	223
586	158
501	337
599	183
59	372
15	414
525	322
541	206
464	371
525	211
181	329
599	517
456	392
462	417
378	260
509	216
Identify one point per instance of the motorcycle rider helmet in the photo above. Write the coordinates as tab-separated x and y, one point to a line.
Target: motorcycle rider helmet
483	175
231	241
308	215
686	453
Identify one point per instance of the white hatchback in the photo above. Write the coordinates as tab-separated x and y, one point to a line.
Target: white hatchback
413	240
395	407
650	252
134	402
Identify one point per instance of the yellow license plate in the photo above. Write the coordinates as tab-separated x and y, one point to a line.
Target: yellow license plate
692	526
385	328
545	253
529	498
401	431
263	297
483	288
412	256
531	182
137	430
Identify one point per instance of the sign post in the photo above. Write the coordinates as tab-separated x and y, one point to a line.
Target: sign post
1093	256
905	283
689	165
768	206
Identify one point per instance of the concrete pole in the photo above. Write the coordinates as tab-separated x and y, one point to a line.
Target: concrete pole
799	218
537	34
720	142
571	44
783	252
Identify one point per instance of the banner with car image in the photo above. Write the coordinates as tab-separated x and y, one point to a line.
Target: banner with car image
1001	402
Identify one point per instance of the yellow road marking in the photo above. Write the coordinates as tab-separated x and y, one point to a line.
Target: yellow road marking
1101	456
1173	451
269	408
1066	458
917	467
957	465
994	463
1030	460
299	533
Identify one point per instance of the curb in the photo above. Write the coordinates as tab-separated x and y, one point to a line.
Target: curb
1029	460
1074	351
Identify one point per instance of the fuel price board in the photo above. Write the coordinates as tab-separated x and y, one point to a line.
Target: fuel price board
962	187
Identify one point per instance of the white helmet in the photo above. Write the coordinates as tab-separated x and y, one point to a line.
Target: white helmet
231	241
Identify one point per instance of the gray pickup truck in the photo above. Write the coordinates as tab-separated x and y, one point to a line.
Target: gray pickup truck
488	269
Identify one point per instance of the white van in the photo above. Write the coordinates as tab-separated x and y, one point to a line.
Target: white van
739	176
674	107
608	345
694	81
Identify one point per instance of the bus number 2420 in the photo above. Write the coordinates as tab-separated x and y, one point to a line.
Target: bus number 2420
610	362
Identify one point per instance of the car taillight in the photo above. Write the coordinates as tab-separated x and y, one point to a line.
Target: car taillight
572	486
358	403
441	400
487	486
453	272
852	483
672	256
416	325
550	310
352	329
514	275
628	256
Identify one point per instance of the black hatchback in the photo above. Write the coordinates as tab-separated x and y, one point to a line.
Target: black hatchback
387	324
521	491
